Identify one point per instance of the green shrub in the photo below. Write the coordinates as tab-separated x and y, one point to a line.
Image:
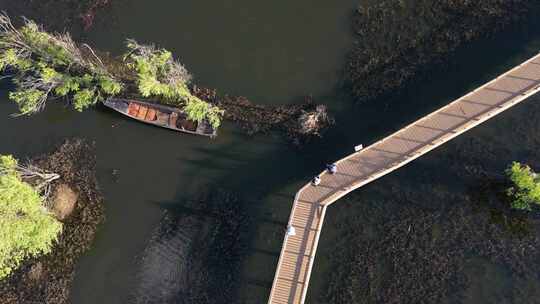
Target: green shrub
525	189
47	46
198	110
9	57
67	85
158	74
43	64
109	86
84	99
27	229
29	100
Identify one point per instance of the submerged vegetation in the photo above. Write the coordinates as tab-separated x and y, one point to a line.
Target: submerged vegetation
44	65
204	249
400	40
301	121
525	189
77	15
27	228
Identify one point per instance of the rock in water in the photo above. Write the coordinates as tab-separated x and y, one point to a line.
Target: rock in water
64	201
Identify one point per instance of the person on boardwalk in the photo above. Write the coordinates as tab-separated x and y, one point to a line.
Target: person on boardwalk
332	168
316	181
291	231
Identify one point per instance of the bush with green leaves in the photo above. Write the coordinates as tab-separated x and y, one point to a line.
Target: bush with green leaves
158	74
525	189
27	229
43	65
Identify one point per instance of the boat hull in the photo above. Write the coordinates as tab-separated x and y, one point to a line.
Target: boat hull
160	115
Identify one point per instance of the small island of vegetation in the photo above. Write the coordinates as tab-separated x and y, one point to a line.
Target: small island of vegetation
525	189
48	221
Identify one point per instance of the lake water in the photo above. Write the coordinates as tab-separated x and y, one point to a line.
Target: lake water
272	53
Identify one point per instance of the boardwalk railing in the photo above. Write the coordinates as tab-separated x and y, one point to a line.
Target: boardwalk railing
307	216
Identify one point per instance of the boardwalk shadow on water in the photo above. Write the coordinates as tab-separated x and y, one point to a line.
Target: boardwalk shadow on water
196	267
166	270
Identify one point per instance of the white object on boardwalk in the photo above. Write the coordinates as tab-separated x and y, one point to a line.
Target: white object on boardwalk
358	148
291	231
332	168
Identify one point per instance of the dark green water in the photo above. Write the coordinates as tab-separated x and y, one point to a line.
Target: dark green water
272	53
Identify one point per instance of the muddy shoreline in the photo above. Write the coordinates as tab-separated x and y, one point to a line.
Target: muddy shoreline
47	279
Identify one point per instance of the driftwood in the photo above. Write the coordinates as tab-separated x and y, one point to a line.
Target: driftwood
40	179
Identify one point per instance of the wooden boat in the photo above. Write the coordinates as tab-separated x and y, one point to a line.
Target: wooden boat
160	115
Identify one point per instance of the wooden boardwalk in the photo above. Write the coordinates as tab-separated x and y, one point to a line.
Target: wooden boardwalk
298	252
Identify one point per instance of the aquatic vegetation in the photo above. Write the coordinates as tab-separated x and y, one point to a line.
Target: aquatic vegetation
90	12
78	15
525	189
416	253
300	122
27	228
196	257
400	40
158	74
